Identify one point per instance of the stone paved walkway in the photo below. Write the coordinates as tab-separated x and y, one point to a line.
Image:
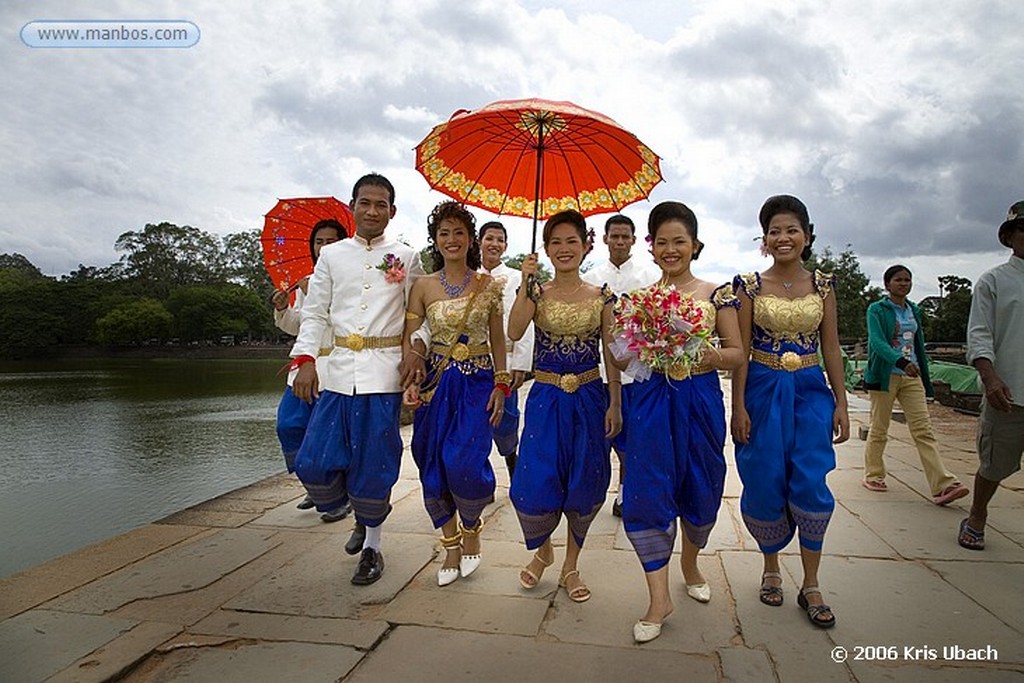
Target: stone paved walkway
247	588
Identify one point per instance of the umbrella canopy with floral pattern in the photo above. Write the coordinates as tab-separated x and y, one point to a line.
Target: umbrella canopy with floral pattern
534	158
286	231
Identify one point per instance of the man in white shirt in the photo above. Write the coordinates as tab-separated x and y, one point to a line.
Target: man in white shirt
493	243
622	273
994	333
359	290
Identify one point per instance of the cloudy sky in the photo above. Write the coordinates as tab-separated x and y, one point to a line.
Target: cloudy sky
899	124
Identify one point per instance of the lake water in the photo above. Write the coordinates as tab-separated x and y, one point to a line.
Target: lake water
92	448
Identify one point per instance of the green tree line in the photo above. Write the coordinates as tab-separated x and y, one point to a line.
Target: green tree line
171	283
945	316
181	283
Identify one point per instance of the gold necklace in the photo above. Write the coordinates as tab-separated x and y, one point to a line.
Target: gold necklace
562	289
664	282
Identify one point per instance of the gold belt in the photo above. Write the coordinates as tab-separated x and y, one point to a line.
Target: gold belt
568	382
460	351
358	342
679	371
325	350
788	361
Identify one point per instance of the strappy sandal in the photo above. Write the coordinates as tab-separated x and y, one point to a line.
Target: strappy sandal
815	611
771	595
579	593
469	563
447	575
970	538
526	572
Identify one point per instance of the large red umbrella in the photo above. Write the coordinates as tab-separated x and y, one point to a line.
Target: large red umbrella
535	158
285	236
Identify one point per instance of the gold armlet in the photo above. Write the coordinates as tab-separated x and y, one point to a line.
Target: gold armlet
409	315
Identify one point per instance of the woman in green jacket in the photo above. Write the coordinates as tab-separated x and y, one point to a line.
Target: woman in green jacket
898	371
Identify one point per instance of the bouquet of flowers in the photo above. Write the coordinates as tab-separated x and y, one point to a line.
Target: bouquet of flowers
660	330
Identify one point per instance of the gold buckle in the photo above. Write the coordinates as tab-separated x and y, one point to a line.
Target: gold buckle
460	352
790	361
678	371
355	342
569	383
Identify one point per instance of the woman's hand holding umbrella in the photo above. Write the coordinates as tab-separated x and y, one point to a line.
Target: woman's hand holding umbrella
530	266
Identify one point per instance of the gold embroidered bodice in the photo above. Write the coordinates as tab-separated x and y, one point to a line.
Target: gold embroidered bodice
444	316
568	334
789	318
782	324
561	318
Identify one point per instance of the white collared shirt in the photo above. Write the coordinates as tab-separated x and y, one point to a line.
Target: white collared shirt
633	274
348	294
996	324
520	353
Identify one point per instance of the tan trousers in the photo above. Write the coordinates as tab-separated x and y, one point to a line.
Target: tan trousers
909	391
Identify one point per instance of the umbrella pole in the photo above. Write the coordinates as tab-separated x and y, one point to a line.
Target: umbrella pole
536	185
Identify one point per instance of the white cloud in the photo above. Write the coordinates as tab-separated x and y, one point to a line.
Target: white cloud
898	124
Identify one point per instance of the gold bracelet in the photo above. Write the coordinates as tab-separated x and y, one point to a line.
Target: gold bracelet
503	377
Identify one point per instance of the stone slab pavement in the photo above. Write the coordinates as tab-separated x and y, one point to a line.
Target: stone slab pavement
246	587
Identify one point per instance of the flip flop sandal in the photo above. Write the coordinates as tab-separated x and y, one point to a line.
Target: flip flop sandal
536	577
969	538
814	611
580	593
876	485
768	593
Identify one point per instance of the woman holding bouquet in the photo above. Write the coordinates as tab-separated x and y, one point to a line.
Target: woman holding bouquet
464	390
784	414
676	432
564	458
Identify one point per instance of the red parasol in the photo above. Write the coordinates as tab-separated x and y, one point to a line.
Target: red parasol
535	158
285	236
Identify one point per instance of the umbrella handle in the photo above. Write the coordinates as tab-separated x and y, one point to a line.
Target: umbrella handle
532	288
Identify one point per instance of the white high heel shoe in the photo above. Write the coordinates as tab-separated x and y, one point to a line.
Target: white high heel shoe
447	575
469	563
645	631
701	592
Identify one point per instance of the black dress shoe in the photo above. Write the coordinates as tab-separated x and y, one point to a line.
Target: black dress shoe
337	514
617	509
355	541
306	503
371	568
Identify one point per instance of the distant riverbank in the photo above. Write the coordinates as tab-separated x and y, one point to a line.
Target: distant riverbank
200	352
